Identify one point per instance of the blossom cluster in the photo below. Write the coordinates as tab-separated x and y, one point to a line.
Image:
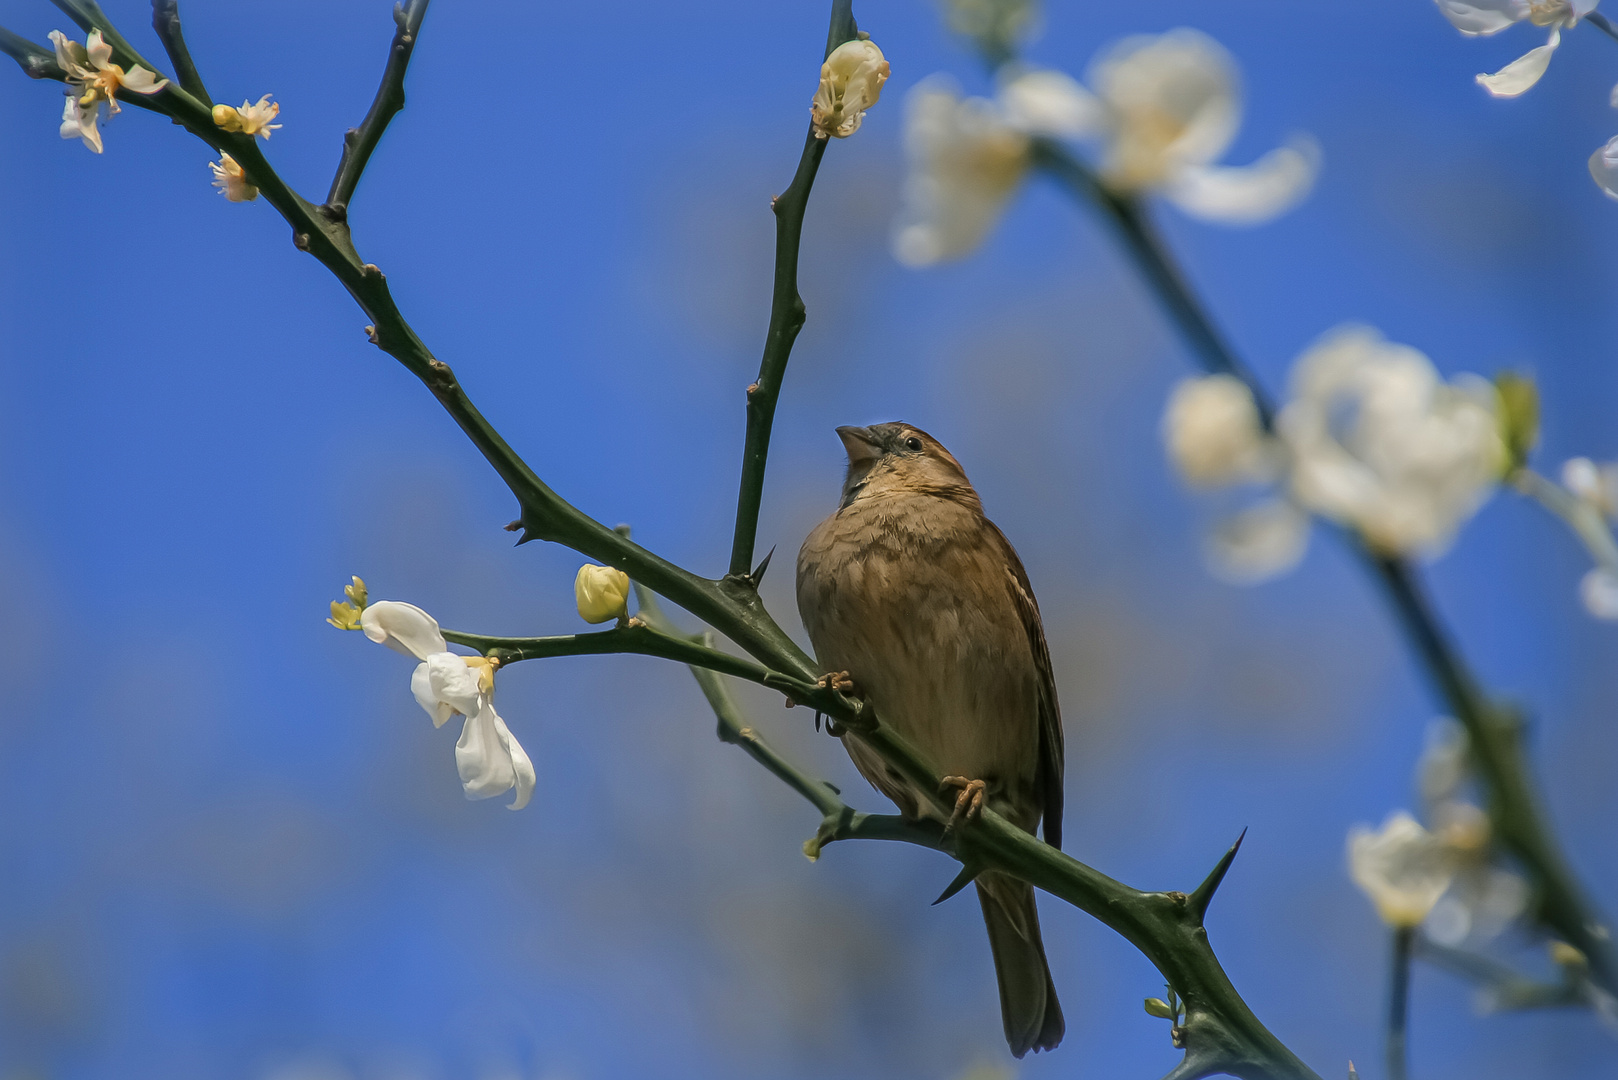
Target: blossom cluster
1371	437
1163	108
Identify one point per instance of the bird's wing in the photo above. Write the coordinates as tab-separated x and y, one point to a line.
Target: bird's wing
1050	713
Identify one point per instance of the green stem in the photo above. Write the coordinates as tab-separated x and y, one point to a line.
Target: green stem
1602	23
787	315
1399	1004
390	98
166	21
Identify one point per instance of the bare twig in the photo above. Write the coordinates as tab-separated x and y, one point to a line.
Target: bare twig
390	98
1399	1004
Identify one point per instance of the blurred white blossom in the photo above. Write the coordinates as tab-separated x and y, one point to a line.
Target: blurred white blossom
488	757
601	592
93	83
1214	434
1167	106
1480	18
850	82
231	181
1598	591
1402	867
250	119
1381	443
1604	168
965	161
994	22
1594	484
1258	543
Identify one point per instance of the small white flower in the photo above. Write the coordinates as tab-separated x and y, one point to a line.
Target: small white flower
1480	18
1403	868
1167	107
850	82
488	757
250	119
1595	484
231	181
1214	436
1381	443
1445	762
94	82
602	593
1598	589
966	159
1258	543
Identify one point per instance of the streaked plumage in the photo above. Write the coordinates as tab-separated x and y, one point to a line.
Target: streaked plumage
921	599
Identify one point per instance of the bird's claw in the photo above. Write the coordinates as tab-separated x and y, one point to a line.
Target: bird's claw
969	803
839	681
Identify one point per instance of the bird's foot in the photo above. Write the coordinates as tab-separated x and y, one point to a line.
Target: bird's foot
839	681
969	803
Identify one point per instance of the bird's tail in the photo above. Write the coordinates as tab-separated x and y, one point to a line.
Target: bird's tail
1028	1005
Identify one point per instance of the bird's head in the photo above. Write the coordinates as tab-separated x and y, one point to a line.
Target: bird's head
901	459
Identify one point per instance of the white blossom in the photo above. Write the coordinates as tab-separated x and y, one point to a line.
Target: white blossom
602	593
1167	107
94	81
966	159
1593	483
231	181
1604	168
250	119
1381	443
1480	18
850	82
1213	432
1402	867
1259	543
488	757
1598	590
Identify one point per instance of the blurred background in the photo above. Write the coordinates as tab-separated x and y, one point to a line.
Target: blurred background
231	845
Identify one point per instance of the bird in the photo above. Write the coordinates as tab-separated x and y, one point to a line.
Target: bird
916	600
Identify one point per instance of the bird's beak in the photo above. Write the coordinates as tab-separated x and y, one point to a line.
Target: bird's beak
860	444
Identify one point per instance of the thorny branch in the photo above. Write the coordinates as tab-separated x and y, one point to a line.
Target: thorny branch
1220	1032
359	142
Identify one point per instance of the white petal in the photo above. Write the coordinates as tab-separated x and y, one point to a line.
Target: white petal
1402	867
1599	591
1479	18
1174	99
522	769
99	51
482	757
1272	185
1612	98
965	162
1604	168
451	682
404	628
421	685
1523	72
1259	543
1052	103
142	81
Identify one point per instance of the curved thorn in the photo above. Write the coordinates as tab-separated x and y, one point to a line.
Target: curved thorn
962	880
1199	900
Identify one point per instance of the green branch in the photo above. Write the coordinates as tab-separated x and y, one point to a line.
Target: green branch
787	316
359	142
1220	1032
166	21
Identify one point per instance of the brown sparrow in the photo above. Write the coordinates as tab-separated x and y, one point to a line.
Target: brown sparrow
921	600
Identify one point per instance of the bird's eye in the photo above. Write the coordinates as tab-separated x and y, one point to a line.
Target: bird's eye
913	443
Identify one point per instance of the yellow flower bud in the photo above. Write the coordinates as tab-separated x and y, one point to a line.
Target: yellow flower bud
226	117
602	593
850	82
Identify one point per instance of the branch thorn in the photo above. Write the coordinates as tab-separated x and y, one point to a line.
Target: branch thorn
1203	895
962	880
757	576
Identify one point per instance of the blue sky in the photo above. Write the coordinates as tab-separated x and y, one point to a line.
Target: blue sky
230	844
